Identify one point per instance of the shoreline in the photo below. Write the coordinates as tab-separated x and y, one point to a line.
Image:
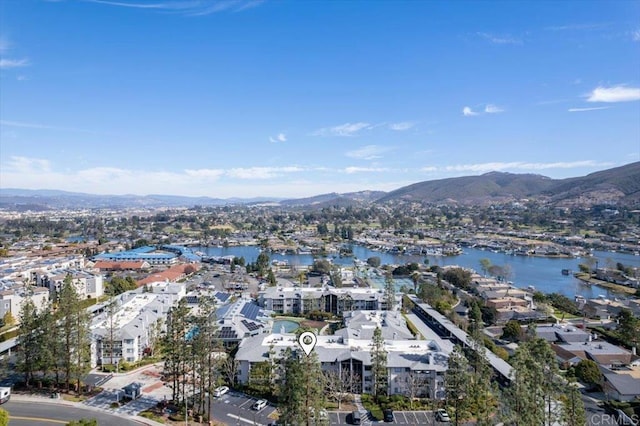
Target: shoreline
605	284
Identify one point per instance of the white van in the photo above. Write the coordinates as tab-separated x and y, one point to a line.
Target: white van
5	394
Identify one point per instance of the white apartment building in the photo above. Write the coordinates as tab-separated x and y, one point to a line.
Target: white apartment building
300	300
138	317
417	364
13	297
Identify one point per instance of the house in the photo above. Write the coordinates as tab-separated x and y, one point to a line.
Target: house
621	387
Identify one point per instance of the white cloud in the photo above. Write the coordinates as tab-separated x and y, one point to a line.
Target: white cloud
25	125
429	169
21	164
468	112
492	109
577	27
518	165
13	63
205	173
618	93
587	109
368	152
401	126
347	129
261	172
500	39
281	137
635	35
186	7
355	169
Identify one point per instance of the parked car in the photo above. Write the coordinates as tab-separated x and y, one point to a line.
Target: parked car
259	404
356	418
387	415
220	391
442	415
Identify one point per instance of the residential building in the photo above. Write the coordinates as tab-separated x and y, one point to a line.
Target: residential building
300	300
410	362
130	330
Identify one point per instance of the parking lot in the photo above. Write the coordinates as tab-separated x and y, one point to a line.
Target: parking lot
234	408
414	418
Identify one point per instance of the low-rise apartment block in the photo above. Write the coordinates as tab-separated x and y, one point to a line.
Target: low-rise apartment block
410	363
300	300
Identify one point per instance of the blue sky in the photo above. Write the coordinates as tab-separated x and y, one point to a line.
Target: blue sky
296	98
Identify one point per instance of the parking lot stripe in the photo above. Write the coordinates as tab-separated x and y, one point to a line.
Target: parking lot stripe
242	419
246	402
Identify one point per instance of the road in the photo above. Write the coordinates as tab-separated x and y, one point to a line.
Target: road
30	413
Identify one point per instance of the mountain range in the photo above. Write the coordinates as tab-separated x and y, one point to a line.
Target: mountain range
620	185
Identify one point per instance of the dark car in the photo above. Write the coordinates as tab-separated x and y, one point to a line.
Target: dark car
387	415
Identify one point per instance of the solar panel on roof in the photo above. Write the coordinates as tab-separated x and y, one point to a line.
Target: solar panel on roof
250	310
222	296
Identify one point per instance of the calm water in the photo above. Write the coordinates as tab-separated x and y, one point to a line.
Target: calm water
289	326
545	274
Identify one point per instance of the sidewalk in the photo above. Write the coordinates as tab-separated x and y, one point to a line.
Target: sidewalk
157	365
35	399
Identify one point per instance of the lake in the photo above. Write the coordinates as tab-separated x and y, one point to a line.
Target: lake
545	274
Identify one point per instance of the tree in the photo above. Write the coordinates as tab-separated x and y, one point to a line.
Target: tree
8	319
229	368
336	278
379	371
416	385
340	384
457	378
29	338
458	277
374	261
175	349
485	264
573	413
588	372
512	331
73	321
262	263
108	342
482	401
271	278
536	385
629	328
322	266
302	390
389	292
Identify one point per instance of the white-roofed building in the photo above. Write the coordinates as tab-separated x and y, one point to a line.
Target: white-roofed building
137	319
349	352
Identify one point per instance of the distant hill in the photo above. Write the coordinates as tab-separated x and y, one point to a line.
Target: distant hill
617	185
489	187
45	199
335	199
